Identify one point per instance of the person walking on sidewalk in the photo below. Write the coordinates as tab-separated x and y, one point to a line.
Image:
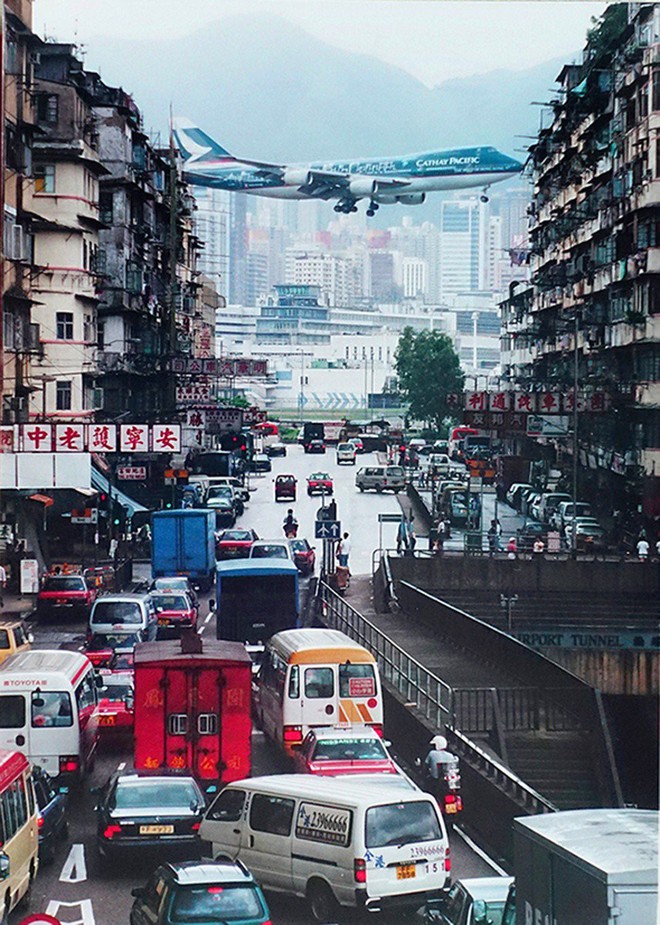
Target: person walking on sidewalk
344	550
3	584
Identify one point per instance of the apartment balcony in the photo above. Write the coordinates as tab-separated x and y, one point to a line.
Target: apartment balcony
647	395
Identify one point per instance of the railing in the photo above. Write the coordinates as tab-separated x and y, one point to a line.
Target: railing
433	697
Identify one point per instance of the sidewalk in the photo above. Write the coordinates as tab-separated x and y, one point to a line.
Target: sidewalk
16	605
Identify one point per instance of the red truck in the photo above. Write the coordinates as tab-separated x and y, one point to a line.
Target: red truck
193	708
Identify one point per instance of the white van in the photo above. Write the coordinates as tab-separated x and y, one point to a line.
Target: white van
48	710
123	613
334	841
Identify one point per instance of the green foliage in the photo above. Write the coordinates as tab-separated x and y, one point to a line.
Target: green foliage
604	35
240	401
429	370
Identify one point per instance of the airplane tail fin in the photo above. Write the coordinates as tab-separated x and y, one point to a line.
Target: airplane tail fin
194	144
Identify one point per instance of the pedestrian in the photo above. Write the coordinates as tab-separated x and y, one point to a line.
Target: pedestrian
437	548
114	546
493	540
344	550
511	548
402	536
3	584
539	547
643	549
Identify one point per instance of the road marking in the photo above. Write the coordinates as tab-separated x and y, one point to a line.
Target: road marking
480	852
86	911
201	629
75	869
121	765
208	619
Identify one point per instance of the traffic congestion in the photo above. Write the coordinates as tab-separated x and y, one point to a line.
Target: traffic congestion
197	747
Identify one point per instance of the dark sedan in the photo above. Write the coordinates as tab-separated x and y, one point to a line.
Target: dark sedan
136	812
52	822
316	446
276	449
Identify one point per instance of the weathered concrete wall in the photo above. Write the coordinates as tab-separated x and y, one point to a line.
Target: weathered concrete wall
620	671
478	574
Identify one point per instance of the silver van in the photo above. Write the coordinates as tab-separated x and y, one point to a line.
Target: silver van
381	478
123	613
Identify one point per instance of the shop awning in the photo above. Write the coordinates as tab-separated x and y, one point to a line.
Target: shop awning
100	483
41	499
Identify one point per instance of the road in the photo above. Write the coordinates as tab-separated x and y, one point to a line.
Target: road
82	890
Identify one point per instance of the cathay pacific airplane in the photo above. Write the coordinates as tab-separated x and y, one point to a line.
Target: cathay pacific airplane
382	180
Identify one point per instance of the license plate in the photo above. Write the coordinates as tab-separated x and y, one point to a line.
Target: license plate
451	808
156	829
163	622
106	720
405	871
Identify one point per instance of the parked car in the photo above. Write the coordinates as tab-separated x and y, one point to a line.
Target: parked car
346	453
174	611
239	488
221	892
580	521
567	512
534	505
13	638
315	446
270	549
550	501
589	537
527	535
234	544
474	901
526	497
135	812
358	750
381	478
52	802
61	595
261	463
116	705
276	449
319	483
515	493
304	556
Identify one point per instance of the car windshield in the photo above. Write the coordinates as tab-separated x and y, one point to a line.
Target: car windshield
100	641
220	491
236	536
116	692
349	749
228	902
64	584
401	824
299	545
170	602
171	584
116	612
345	446
169	794
272	551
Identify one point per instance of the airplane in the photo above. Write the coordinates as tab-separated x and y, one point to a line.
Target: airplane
384	180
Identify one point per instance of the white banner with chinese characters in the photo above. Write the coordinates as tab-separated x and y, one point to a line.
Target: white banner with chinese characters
92	438
591	402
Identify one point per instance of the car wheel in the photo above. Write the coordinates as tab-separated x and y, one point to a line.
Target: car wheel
361	487
379	488
396	491
322	902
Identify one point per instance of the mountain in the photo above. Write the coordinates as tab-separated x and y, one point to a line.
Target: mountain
266	89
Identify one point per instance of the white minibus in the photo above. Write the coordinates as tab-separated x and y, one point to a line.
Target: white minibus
19	831
316	677
335	841
48	710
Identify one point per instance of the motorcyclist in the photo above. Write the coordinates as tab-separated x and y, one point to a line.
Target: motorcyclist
443	776
290	525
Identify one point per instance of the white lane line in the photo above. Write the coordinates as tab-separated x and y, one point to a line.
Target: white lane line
480	852
208	619
75	869
201	629
121	765
86	911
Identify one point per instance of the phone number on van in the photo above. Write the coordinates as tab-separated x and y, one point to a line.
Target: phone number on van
323	823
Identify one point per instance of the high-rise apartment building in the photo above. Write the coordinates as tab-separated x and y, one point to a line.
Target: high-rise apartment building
212	225
414	278
463	247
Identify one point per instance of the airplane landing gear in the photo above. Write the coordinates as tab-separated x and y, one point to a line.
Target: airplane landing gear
373	208
346	206
484	197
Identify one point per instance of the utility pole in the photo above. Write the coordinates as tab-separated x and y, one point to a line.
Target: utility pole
171	325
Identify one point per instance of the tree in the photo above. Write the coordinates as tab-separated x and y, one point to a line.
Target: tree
429	370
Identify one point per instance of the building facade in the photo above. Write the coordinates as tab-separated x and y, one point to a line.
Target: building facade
592	312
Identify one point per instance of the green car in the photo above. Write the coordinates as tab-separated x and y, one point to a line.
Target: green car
191	893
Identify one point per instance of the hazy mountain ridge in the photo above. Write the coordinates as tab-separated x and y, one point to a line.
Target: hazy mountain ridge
267	89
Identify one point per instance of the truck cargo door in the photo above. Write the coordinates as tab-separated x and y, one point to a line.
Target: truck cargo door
178	719
206	736
194	541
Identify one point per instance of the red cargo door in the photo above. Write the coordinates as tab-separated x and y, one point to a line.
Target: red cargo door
178	718
205	714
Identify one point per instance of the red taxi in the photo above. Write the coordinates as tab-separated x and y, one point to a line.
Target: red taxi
116	705
303	555
343	751
234	544
61	594
103	648
174	610
319	483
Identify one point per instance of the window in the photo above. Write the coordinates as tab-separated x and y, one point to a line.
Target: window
64	325
294	683
51	708
271	814
4	639
400	823
12	711
63	395
177	724
44	178
207	724
47	107
106	206
356	680
319	683
86	693
227	806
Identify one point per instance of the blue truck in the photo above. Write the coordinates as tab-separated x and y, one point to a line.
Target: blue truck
255	599
183	543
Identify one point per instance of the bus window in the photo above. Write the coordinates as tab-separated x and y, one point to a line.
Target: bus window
356	680
319	683
12	711
294	683
51	708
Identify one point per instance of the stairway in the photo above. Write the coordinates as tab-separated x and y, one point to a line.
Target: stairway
558	765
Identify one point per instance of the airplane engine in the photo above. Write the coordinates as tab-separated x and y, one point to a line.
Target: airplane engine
362	187
297	176
406	199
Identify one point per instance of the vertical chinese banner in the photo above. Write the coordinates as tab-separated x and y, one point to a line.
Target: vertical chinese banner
2	197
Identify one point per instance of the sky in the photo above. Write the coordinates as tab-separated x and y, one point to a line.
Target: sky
434	40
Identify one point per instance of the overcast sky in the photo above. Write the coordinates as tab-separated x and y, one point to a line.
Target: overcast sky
432	39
